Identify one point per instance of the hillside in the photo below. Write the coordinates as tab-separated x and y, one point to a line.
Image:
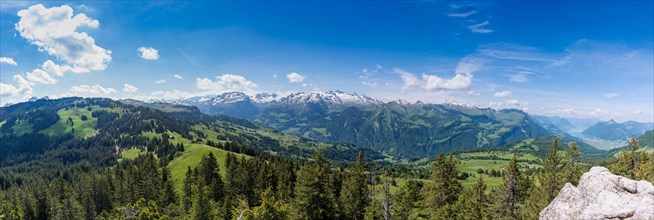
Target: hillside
395	128
612	130
41	129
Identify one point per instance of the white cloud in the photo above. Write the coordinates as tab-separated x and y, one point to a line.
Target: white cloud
8	60
408	79
473	93
463	14
40	76
611	95
274	76
460	81
54	68
24	88
129	88
54	31
7	90
226	82
89	91
148	53
479	28
294	77
513	102
503	94
177	76
637	112
160	81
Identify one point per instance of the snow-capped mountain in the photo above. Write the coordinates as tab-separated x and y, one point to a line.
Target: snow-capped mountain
330	98
228	97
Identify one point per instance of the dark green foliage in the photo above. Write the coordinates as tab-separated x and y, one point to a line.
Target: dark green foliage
354	194
444	188
314	196
509	194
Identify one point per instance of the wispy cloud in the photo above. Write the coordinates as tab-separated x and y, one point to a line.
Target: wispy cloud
177	76
8	60
611	95
481	28
463	14
160	81
503	94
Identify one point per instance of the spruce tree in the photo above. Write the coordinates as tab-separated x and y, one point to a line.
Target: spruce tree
550	177
314	196
354	195
479	200
168	190
201	209
444	188
572	168
188	190
508	200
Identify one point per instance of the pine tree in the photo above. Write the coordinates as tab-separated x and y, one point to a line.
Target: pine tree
270	208
444	188
188	190
509	193
572	169
314	196
354	195
405	199
201	209
627	162
209	175
479	200
168	190
549	179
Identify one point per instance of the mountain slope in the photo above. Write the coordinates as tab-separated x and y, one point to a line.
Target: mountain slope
612	130
96	130
394	128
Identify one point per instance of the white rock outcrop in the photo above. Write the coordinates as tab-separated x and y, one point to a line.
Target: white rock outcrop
602	195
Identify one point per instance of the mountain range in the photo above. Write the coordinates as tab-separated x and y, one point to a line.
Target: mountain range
396	128
611	130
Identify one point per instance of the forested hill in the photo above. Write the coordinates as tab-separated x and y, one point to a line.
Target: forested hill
93	131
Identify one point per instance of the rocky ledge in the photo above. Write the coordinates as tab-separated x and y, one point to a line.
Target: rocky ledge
602	195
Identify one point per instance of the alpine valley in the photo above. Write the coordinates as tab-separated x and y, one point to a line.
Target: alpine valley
395	128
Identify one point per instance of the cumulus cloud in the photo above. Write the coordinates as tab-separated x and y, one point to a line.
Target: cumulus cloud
480	28
24	88
408	79
503	94
129	88
460	81
8	60
434	82
89	91
611	95
148	53
160	81
226	82
54	31
294	77
177	76
40	76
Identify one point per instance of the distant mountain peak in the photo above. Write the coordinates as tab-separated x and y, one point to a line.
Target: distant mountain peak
330	97
229	97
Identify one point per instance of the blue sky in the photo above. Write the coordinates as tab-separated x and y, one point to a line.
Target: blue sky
566	58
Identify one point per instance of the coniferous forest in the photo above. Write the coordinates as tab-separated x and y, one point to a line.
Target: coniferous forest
88	176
